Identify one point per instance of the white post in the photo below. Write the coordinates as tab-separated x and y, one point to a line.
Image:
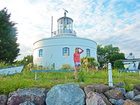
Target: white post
35	76
110	80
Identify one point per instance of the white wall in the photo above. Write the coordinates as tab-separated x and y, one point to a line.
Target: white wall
53	53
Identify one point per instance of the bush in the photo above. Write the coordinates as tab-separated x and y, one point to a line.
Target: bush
3	65
66	67
36	67
89	63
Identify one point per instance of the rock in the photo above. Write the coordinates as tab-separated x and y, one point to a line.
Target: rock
130	95
136	92
99	88
66	94
117	102
94	99
105	99
137	102
3	99
122	90
113	101
88	88
95	87
120	84
129	102
35	95
27	103
115	94
137	87
137	98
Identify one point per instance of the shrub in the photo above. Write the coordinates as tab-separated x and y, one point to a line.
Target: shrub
89	63
3	65
66	67
36	67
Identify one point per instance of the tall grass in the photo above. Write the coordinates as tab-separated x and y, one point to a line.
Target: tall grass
47	80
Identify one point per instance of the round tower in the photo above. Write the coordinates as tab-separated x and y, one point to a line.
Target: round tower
58	50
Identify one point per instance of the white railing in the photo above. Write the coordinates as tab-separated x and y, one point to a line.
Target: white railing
73	33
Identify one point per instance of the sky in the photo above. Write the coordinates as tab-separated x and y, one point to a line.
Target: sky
115	22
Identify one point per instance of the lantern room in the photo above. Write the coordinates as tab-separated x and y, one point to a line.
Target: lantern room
65	25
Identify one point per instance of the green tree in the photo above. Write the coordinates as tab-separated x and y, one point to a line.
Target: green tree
8	47
26	60
118	64
107	54
101	55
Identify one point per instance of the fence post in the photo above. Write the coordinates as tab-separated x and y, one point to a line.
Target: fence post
110	80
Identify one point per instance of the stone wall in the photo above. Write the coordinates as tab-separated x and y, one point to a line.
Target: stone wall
73	94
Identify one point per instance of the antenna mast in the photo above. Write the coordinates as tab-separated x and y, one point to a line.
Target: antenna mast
52	26
65	11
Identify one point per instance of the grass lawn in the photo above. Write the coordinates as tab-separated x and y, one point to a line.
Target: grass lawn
47	80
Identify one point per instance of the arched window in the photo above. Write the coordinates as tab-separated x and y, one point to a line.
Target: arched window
40	53
88	52
66	51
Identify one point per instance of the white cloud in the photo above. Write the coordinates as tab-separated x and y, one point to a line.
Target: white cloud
107	22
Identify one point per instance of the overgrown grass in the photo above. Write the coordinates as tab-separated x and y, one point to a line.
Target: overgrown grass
47	80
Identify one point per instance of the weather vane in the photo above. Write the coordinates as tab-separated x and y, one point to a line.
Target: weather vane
65	11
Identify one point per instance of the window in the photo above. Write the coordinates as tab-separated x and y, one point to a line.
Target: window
88	52
40	52
66	51
139	66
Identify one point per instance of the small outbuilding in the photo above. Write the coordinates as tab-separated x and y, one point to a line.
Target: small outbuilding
131	63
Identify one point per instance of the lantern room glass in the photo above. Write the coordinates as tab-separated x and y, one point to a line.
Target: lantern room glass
65	25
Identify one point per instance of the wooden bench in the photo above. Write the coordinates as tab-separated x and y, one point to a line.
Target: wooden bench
55	71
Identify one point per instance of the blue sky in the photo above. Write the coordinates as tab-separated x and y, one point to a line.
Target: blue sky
114	22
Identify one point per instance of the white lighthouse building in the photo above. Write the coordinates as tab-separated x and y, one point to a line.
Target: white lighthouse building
59	48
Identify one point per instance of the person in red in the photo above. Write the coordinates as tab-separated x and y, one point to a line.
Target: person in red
76	58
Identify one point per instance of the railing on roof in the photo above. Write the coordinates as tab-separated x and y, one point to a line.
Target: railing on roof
70	32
